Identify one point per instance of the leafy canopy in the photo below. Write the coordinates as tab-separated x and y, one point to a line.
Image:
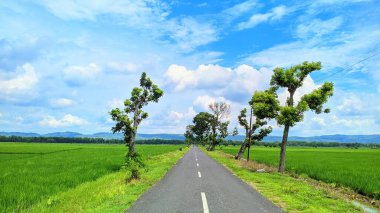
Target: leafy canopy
140	96
291	79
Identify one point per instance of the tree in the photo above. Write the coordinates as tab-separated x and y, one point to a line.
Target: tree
262	112
128	119
202	127
291	79
219	129
210	128
189	135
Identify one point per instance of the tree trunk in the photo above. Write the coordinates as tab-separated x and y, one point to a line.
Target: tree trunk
243	146
249	133
249	147
281	166
131	144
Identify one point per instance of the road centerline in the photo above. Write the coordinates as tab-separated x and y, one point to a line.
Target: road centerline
204	202
199	174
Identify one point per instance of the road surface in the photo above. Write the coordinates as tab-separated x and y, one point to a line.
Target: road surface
197	183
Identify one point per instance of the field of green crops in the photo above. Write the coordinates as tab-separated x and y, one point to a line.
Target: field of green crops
358	169
35	171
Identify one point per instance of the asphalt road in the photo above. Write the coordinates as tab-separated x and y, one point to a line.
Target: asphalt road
197	183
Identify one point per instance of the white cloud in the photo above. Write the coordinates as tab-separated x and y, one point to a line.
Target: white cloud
360	123
61	102
320	121
148	16
133	11
24	80
241	8
66	121
318	27
181	117
78	75
19	119
121	67
204	101
190	33
351	105
342	52
115	103
234	83
275	14
203	76
331	2
243	77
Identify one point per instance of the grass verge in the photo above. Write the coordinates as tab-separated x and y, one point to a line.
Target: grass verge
287	192
110	193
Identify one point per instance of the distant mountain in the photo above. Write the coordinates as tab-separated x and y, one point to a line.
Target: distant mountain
22	134
63	134
107	135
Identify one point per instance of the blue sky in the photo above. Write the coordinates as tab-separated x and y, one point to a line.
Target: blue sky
65	64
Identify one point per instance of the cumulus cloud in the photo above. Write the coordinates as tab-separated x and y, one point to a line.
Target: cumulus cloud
180	117
203	76
61	102
204	101
275	14
234	83
66	121
24	80
79	75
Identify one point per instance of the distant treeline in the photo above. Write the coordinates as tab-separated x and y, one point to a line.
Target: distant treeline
82	140
162	141
310	144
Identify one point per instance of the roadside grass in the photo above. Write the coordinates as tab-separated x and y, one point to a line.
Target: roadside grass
45	170
289	193
357	169
110	193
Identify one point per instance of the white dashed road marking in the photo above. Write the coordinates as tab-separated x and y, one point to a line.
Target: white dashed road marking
204	201
199	174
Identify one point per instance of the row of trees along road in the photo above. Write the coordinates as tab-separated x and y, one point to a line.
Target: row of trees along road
264	106
210	128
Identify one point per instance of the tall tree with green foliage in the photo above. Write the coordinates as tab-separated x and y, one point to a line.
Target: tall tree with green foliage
291	79
261	112
129	118
210	129
200	131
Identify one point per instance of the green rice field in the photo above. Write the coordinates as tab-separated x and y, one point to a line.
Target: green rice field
358	169
31	172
